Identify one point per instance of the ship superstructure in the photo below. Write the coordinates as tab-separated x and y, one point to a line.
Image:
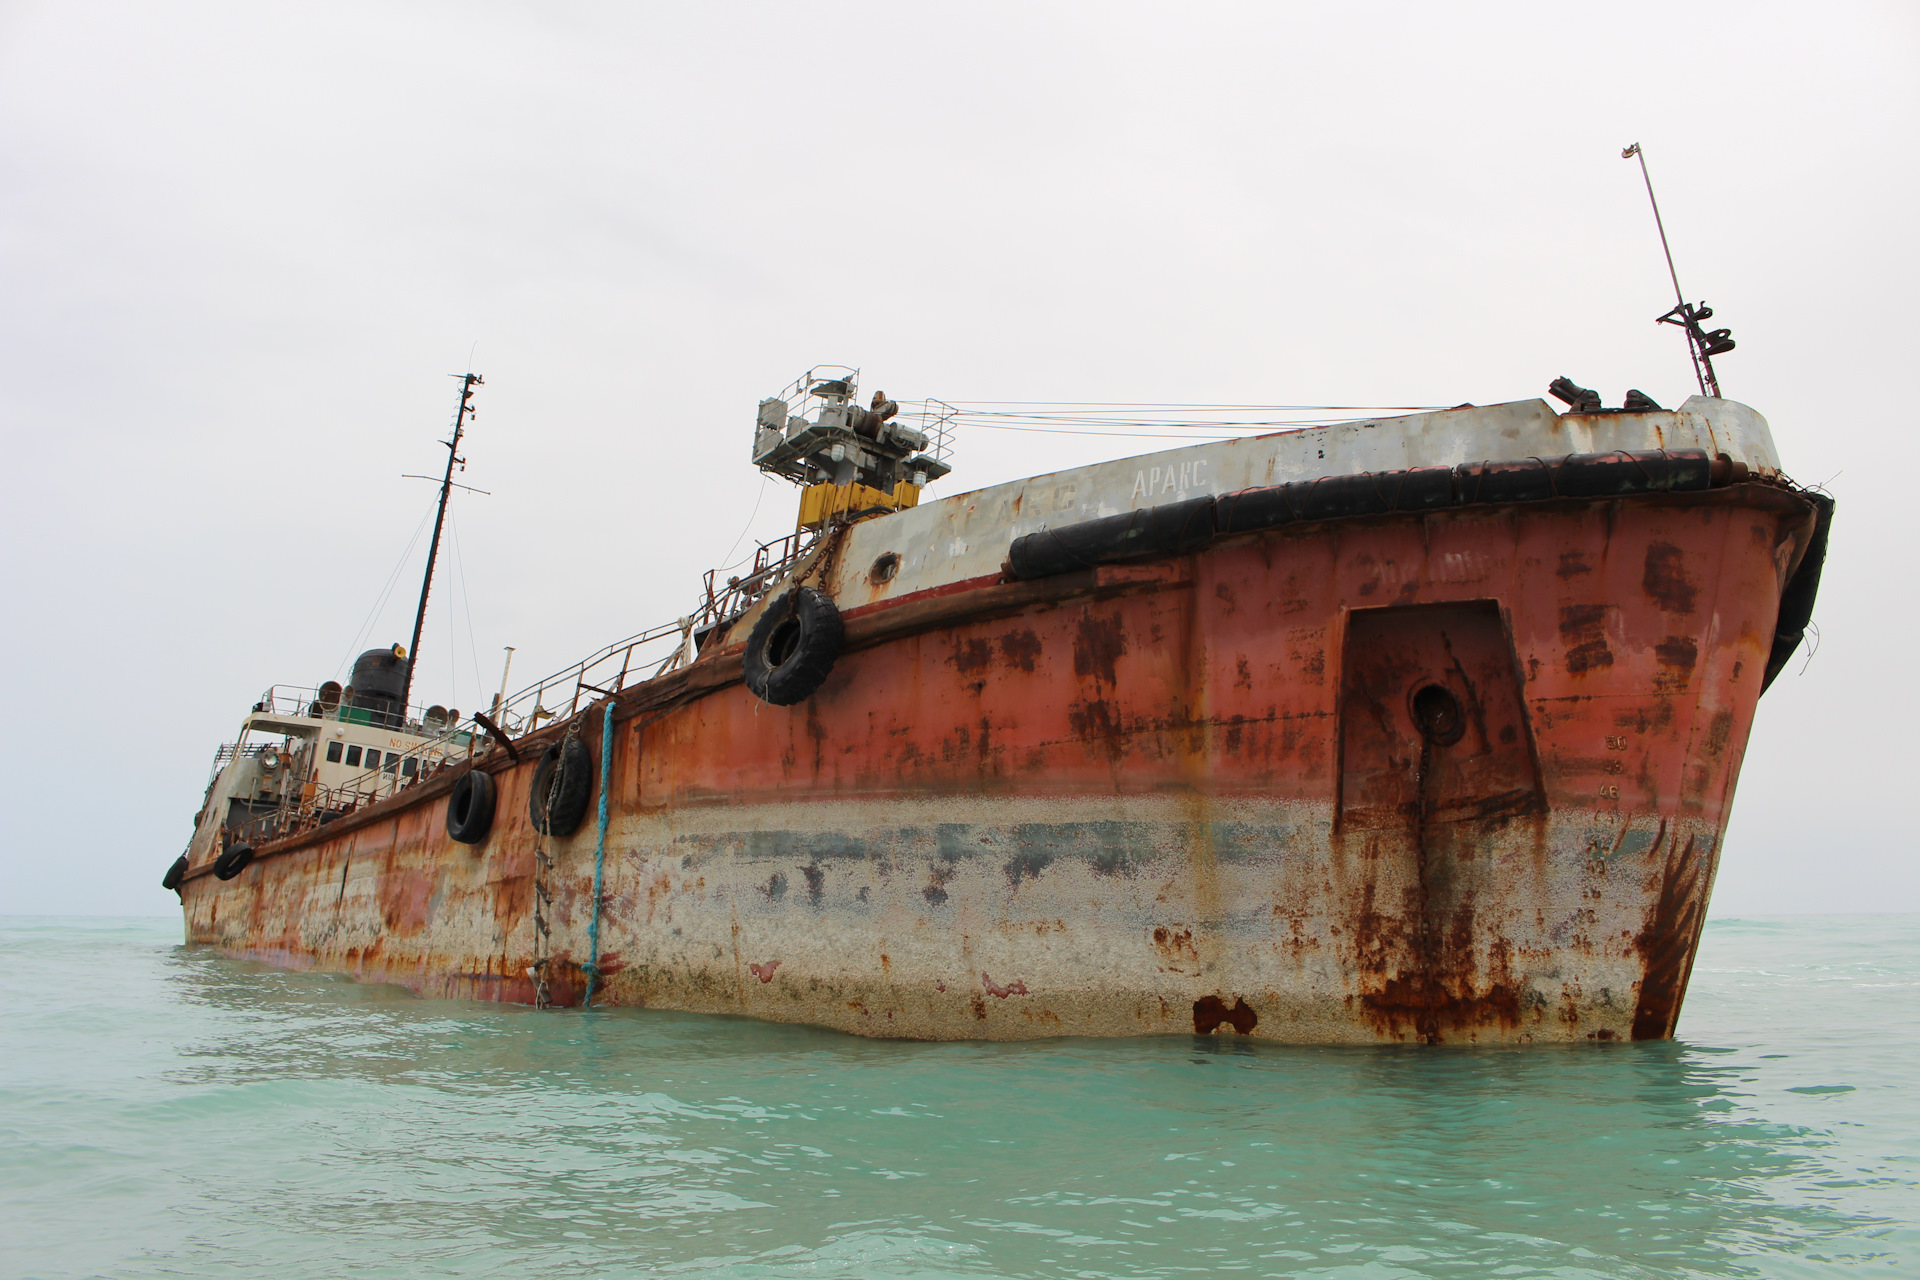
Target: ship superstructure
305	756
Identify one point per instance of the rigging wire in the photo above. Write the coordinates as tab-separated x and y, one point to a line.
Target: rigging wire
1028	416
1093	420
453	665
749	525
1813	644
1145	420
1123	435
1238	408
453	633
466	600
366	627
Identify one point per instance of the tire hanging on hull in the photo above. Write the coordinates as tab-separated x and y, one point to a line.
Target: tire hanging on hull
470	807
792	648
232	862
562	785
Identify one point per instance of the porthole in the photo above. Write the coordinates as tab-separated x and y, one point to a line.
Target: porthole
883	569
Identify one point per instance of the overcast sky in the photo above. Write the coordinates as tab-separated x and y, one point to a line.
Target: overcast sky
241	247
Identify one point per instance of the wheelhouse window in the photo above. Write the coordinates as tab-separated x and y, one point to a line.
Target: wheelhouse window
393	762
334	749
411	767
353	755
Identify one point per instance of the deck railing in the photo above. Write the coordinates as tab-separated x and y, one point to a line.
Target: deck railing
933	419
305	702
225	753
725	602
306	805
654	651
602	673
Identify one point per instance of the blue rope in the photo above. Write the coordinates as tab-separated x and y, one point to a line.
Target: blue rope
599	856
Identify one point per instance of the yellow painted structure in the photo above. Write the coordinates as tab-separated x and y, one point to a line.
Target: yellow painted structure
820	503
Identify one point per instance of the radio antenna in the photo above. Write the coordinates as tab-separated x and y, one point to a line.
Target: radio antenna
1702	344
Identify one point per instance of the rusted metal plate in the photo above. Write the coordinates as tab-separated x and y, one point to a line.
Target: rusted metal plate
1196	795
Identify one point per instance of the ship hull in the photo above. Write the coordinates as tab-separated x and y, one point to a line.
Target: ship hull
1196	794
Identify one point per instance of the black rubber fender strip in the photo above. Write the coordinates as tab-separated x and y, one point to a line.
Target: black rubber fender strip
1796	602
1173	528
1371	493
1180	527
1584	475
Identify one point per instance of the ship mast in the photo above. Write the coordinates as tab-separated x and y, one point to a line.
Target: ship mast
468	381
1702	343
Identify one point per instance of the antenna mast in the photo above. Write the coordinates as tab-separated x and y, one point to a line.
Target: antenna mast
468	381
1702	344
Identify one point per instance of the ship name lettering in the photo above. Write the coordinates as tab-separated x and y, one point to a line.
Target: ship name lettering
1153	481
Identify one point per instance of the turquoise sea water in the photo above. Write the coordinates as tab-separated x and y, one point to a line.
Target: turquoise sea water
167	1112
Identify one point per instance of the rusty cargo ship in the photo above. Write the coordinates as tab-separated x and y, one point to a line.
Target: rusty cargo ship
1411	729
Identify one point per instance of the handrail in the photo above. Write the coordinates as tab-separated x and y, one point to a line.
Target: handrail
601	673
303	701
933	418
935	422
609	668
440	746
226	751
770	564
309	805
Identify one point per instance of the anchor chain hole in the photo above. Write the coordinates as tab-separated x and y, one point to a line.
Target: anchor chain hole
1437	712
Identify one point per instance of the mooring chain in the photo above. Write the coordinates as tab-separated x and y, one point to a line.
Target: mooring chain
542	900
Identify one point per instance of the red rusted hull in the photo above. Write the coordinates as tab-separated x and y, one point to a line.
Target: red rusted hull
1185	795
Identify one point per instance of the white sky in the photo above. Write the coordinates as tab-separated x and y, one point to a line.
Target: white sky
242	245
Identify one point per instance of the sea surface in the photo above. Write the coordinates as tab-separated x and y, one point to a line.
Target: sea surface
168	1112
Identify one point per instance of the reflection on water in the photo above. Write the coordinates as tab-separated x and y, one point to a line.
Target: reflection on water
168	1110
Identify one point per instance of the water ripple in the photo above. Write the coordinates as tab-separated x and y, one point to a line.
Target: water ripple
166	1111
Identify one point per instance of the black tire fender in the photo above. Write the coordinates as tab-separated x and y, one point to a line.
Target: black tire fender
232	862
792	647
562	785
175	873
470	807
